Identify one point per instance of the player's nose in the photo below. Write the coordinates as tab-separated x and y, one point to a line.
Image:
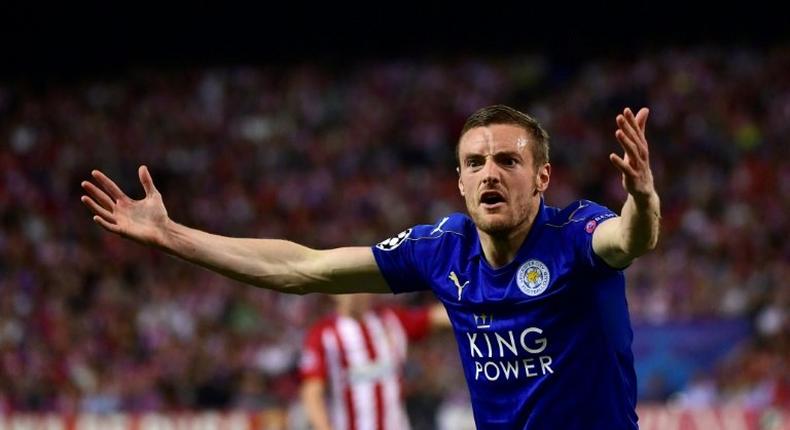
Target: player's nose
490	172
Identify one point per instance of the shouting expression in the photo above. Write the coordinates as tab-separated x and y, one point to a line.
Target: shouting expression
498	178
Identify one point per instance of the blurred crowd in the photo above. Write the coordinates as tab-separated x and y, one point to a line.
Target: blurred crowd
331	155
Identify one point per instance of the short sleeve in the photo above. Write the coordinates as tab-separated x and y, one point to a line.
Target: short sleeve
401	259
312	362
586	220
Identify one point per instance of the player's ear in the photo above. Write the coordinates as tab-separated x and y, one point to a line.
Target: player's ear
460	181
542	178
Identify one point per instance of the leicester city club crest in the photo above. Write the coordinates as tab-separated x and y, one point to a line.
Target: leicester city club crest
533	277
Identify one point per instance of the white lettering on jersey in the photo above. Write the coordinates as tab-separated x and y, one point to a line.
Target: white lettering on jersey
506	358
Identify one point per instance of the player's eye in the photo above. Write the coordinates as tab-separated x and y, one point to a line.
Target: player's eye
473	162
509	161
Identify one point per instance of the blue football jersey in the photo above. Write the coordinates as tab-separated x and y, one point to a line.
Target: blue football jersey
545	341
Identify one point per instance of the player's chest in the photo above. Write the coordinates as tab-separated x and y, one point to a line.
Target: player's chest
536	275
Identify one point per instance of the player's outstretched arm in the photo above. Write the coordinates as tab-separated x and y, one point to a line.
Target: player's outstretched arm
620	240
268	263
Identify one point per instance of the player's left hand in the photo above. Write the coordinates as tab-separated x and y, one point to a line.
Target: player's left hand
635	163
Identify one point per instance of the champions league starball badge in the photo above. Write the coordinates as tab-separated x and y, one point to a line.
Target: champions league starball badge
533	278
393	242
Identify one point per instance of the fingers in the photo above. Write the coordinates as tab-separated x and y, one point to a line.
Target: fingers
628	145
98	195
627	122
634	164
102	216
106	224
628	125
108	185
146	180
641	120
622	165
97	209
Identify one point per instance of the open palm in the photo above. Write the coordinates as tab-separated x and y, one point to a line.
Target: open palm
635	162
141	220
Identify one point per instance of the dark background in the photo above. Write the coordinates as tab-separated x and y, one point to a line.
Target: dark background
44	42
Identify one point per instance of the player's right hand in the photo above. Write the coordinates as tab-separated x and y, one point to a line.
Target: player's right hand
140	220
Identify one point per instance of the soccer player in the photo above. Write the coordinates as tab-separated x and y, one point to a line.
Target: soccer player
354	359
535	294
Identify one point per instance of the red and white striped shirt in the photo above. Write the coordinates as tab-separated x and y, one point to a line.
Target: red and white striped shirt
361	360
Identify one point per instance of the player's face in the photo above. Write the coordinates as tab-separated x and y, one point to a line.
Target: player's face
498	178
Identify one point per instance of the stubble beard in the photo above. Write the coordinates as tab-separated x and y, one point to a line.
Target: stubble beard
500	225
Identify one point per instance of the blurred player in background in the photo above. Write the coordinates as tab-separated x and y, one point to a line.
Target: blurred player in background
535	294
352	362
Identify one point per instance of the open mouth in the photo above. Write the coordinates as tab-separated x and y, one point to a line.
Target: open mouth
491	198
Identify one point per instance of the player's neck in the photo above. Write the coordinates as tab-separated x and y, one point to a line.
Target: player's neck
499	250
